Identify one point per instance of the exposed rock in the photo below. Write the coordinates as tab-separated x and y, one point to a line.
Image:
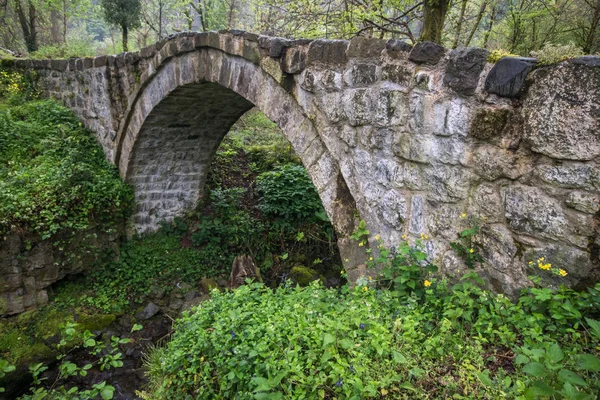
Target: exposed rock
507	77
464	68
148	312
426	53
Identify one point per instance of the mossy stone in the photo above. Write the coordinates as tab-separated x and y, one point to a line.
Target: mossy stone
487	124
303	275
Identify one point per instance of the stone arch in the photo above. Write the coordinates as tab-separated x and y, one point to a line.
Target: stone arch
181	114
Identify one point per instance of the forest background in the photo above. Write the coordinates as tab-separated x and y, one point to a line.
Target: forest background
69	28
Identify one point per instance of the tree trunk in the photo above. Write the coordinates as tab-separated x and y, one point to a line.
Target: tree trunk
434	15
125	38
28	25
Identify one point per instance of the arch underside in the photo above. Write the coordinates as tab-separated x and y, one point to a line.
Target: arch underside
175	147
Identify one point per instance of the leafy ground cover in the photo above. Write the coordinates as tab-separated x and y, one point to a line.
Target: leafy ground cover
446	341
53	175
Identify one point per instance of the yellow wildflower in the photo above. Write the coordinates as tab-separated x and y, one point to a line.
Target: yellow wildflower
545	267
365	289
427	283
424	236
370	278
463	215
377	237
530	262
404	237
471	251
361	244
370	258
562	272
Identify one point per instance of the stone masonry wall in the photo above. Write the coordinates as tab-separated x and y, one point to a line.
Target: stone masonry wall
407	138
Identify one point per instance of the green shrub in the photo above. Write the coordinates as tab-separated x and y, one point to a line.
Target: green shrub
288	195
496	55
552	54
54	177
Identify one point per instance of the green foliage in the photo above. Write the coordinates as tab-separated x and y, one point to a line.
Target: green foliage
122	13
155	260
5	368
465	246
18	87
552	54
103	356
402	269
288	195
53	175
312	343
496	55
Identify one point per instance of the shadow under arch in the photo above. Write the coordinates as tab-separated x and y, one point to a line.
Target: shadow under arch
180	116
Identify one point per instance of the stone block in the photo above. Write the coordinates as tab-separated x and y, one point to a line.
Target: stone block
397	48
590	61
328	52
507	77
584	202
59	65
294	60
531	212
360	75
463	69
398	74
99	62
362	47
426	53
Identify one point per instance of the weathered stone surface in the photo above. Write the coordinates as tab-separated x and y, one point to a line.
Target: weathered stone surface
562	112
531	212
592	61
361	47
584	202
330	52
396	48
464	68
426	53
384	138
507	77
148	312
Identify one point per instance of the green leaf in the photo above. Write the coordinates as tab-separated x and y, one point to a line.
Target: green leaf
594	326
541	388
328	338
262	384
571	377
536	369
484	377
554	353
588	362
399	358
107	393
90	343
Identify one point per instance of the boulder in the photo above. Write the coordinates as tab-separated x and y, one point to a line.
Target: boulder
507	77
303	275
464	68
426	53
148	312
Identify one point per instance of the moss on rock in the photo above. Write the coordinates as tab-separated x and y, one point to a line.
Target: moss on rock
303	275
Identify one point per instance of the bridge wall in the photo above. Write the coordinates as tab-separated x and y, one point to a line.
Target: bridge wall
408	139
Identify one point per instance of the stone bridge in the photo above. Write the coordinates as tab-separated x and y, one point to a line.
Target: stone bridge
408	139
